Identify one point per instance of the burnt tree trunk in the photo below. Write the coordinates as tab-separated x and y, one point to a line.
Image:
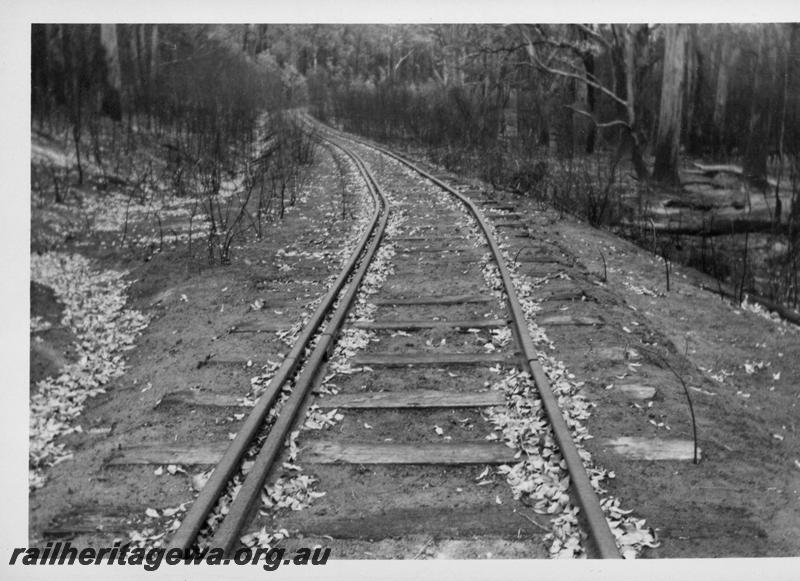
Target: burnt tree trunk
694	131
112	98
72	50
135	60
591	137
728	55
154	54
633	39
673	87
757	150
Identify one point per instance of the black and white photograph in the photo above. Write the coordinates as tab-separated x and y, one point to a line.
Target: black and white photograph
397	292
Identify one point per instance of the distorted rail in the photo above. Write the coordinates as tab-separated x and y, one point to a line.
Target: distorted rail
324	327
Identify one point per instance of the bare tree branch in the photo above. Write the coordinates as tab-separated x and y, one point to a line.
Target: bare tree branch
594	34
400	62
488	50
598	124
582	78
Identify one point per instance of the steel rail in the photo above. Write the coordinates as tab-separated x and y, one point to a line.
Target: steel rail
227	534
239	512
595	521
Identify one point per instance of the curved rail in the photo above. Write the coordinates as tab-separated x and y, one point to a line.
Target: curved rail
595	521
228	532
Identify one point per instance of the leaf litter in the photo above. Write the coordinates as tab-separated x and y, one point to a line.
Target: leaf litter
293	489
541	478
94	310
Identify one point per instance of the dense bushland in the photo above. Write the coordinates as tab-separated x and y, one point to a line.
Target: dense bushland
683	137
184	124
602	121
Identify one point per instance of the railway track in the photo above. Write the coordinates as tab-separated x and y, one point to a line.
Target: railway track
393	385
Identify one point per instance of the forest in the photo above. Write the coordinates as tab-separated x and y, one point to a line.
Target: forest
682	137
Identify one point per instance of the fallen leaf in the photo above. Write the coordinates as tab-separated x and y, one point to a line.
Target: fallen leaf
200	480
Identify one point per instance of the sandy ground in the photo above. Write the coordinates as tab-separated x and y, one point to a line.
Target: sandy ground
740	369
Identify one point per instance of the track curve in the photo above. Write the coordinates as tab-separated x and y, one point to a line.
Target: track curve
305	371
